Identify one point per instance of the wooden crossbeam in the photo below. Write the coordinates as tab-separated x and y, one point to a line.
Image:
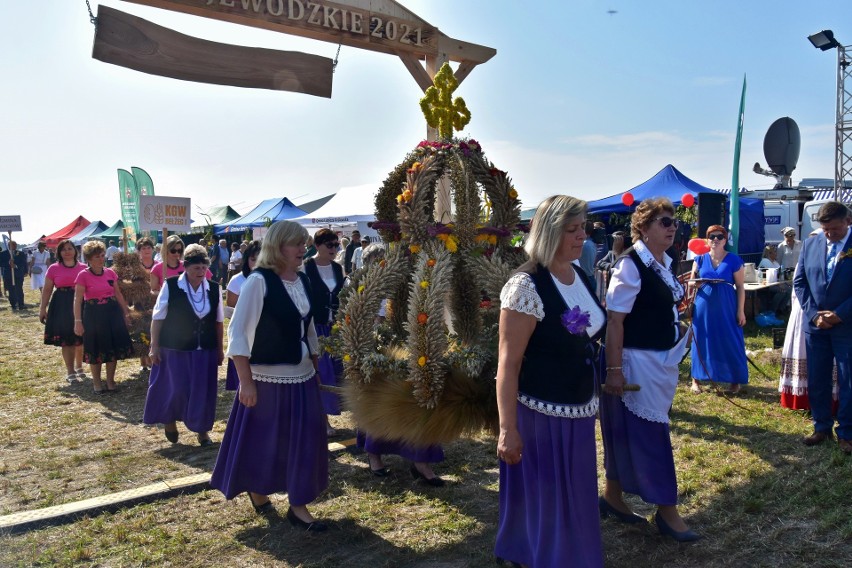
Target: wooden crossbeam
135	43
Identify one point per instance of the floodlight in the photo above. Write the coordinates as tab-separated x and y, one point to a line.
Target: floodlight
824	40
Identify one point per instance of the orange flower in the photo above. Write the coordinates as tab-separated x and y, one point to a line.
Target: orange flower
414	249
422	318
348	319
430	263
513	194
382	263
421	361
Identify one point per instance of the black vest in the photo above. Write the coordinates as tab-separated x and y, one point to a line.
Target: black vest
651	323
558	366
183	329
278	337
324	304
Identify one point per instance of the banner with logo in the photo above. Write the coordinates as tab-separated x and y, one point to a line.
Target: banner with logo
129	196
161	212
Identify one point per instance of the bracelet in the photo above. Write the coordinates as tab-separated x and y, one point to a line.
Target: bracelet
81	321
614	368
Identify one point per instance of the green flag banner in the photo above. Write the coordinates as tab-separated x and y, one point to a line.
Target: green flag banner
733	242
129	195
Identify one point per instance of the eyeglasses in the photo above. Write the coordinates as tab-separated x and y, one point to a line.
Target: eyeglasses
176	251
666	222
717	237
333	245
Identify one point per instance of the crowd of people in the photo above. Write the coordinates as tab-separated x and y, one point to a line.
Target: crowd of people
554	379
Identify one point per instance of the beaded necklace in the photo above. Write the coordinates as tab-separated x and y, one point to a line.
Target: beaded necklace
197	305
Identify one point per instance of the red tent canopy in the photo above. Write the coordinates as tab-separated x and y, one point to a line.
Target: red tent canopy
66	232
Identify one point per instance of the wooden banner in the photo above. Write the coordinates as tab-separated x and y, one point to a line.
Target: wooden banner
130	41
355	23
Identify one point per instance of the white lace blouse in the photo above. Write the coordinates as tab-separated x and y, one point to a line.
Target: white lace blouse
244	324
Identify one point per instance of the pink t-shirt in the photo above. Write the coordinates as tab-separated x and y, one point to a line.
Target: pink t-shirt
157	271
97	287
62	276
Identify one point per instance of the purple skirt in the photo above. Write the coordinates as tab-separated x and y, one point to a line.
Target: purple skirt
549	501
638	453
182	387
279	445
330	370
232	379
424	454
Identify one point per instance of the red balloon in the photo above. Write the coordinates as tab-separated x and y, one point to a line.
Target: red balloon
627	199
699	246
688	200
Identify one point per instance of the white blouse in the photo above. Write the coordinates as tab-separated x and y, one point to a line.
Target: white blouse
199	300
519	294
241	330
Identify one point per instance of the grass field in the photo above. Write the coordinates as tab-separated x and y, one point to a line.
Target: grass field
746	482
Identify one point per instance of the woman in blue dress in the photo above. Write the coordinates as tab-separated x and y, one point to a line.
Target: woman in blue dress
718	316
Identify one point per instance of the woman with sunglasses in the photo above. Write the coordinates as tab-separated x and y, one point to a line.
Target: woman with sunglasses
235	285
186	349
644	344
326	278
172	264
718	316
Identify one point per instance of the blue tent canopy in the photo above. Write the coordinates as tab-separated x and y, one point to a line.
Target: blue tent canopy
269	210
94	228
668	182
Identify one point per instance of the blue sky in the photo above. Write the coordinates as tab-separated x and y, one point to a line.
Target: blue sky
576	101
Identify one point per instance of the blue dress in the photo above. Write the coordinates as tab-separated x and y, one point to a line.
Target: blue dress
718	345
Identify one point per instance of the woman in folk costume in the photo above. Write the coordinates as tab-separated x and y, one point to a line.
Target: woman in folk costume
186	351
57	309
275	440
101	316
644	345
172	263
38	266
546	397
326	278
235	284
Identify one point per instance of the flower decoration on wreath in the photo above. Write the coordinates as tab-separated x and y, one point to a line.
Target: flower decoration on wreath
434	380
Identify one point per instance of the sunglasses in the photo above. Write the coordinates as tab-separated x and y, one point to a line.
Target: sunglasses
666	222
716	237
176	251
333	245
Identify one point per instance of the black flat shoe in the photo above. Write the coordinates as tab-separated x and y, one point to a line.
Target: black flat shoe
683	536
434	482
264	508
608	510
204	441
315	526
381	472
172	436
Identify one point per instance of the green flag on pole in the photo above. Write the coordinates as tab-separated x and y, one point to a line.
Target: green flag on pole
733	242
129	195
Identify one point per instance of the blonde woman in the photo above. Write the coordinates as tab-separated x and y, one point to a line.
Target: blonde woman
275	440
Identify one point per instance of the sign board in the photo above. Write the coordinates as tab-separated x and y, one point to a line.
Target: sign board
10	223
159	212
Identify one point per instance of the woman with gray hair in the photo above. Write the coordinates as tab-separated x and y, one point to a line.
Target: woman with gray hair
550	320
186	350
275	441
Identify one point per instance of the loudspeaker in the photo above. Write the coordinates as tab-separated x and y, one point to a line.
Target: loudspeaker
711	211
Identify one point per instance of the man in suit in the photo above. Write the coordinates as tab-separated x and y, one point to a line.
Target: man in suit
823	285
13	264
350	250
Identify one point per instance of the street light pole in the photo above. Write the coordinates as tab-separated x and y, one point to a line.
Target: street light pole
824	41
843	125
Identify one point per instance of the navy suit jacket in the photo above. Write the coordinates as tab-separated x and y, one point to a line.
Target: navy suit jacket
813	292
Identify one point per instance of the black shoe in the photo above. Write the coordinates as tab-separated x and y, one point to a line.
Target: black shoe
315	526
381	472
434	481
683	536
172	436
608	510
264	508
204	440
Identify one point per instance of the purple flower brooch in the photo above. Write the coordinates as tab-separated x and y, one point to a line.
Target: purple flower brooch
575	320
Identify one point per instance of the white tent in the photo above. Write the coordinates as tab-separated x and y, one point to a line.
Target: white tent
350	207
